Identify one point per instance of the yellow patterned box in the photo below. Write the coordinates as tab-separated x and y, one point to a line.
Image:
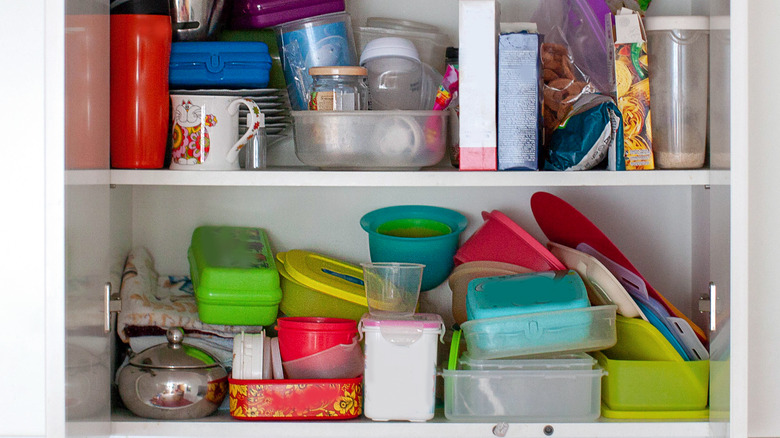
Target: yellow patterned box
633	89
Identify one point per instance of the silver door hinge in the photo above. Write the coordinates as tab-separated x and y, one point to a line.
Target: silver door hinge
709	303
113	304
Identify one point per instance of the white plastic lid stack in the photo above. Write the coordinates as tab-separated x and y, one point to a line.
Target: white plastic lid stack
697	22
248	352
389	47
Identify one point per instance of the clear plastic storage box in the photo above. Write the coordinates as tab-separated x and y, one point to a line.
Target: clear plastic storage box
370	139
564	388
564	331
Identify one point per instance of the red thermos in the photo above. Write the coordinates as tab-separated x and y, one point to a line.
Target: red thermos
140	52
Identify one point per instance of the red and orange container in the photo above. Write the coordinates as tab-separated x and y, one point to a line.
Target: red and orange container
321	399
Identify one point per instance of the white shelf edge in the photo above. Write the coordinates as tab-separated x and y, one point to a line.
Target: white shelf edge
87	177
427	178
125	424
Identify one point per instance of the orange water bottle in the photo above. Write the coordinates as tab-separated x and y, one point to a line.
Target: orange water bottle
140	52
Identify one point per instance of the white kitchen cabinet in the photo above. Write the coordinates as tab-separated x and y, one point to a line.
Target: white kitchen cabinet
67	233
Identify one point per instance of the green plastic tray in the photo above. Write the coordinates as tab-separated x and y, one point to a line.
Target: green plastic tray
638	386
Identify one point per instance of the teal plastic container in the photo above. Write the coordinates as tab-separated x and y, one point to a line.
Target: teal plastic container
416	234
234	275
518	294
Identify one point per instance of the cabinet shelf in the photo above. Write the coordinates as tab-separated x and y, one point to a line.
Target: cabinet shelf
221	424
427	178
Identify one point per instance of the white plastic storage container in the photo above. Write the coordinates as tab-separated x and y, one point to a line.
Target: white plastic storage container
564	389
399	382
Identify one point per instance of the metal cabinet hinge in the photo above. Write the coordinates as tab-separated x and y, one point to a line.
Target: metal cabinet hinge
709	303
112	303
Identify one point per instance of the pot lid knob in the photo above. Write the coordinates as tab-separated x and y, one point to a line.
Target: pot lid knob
175	335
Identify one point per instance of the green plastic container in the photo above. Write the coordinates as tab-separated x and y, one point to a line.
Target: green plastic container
317	285
234	275
638	386
646	377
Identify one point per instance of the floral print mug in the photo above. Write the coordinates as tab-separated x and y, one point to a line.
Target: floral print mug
205	131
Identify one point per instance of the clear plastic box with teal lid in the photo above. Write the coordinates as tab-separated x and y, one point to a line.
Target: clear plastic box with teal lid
234	275
518	294
563	331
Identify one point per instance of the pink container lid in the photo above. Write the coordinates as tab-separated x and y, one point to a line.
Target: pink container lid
500	239
423	320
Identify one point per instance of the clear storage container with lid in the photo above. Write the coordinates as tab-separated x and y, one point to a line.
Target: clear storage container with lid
338	89
678	49
395	74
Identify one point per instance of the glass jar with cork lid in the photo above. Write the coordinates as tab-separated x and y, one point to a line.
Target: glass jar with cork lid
338	88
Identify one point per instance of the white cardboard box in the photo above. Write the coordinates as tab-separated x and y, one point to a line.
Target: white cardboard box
478	46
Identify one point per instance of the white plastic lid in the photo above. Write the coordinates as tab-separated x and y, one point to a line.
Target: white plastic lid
390	46
421	320
697	22
276	360
393	23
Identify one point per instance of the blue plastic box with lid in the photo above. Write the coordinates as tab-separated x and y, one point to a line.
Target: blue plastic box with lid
219	64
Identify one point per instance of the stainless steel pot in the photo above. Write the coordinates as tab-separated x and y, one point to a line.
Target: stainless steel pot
196	20
173	381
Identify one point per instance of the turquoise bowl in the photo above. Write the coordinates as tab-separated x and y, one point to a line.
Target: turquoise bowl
416	234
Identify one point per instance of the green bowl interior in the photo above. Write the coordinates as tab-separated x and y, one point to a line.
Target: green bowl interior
414	228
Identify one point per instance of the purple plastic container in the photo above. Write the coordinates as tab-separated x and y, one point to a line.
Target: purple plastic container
256	14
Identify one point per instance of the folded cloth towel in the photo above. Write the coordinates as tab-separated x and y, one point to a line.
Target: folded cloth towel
151	304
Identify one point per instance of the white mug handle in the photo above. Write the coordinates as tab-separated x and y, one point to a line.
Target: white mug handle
254	121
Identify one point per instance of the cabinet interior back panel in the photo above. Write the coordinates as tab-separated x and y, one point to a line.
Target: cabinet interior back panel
651	225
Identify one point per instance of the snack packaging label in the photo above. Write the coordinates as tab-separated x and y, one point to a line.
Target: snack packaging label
519	101
633	89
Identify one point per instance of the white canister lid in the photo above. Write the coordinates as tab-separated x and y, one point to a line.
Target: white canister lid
418	320
697	22
405	331
390	46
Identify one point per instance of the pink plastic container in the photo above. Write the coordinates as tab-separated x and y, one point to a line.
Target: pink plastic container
500	239
256	14
303	336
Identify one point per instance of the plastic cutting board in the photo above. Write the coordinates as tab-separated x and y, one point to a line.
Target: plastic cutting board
564	224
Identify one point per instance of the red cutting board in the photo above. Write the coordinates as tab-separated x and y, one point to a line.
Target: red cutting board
565	225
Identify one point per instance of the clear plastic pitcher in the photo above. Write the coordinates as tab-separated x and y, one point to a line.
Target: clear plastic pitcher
678	50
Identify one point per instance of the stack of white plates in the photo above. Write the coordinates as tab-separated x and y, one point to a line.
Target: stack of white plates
273	103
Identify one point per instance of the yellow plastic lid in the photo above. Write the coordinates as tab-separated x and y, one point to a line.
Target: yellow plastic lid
325	274
637	339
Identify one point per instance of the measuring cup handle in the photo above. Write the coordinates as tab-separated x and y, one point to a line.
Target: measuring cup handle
254	121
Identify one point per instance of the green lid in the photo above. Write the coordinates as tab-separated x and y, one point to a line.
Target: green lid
234	264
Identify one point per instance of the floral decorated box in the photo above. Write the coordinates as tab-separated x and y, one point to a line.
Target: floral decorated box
633	89
326	399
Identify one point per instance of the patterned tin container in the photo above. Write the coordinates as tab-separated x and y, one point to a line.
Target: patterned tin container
322	399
